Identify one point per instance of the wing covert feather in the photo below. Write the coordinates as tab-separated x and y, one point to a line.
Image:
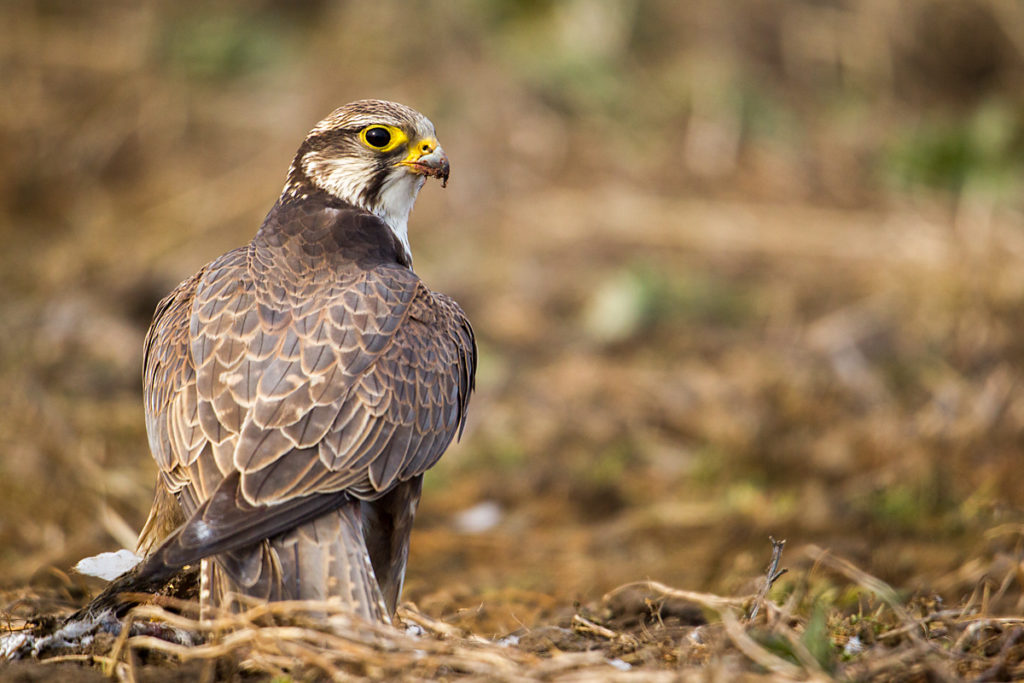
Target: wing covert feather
364	390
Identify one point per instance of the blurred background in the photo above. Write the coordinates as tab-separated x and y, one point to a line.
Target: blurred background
736	269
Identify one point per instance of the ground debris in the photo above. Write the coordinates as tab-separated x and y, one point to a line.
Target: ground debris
642	630
51	637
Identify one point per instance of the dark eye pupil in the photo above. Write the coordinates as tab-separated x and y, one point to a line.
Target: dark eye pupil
378	137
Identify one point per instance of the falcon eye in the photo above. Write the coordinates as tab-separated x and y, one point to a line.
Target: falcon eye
383	138
377	137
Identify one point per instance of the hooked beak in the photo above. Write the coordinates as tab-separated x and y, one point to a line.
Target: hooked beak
427	158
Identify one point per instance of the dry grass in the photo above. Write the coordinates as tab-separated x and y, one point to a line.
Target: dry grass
639	631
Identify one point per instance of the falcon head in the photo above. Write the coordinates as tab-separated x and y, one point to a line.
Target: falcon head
373	154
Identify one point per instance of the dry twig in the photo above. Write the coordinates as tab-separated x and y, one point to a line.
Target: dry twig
771	576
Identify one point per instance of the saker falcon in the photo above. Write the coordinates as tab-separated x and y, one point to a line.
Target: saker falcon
297	388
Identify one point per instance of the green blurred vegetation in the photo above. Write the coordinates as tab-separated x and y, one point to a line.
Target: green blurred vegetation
982	153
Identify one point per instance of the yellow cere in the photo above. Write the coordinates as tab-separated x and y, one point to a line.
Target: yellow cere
423	147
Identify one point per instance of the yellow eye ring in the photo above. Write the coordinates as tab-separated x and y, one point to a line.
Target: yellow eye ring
382	138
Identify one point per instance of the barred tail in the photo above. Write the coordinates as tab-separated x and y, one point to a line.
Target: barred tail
325	559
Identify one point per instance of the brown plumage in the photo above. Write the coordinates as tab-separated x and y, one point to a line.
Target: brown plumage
297	388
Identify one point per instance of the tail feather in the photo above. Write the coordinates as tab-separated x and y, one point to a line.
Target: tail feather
325	559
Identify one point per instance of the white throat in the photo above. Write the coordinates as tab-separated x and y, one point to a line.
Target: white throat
397	197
